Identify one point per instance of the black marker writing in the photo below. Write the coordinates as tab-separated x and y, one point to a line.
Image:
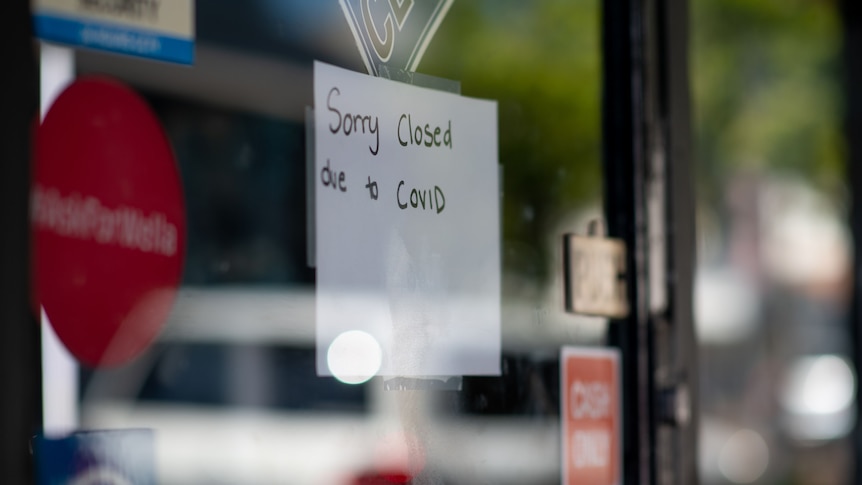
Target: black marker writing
423	135
334	178
425	199
353	123
372	188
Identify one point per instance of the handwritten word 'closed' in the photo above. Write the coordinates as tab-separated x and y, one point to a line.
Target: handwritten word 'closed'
423	135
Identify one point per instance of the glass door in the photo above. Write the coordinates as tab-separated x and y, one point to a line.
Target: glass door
239	385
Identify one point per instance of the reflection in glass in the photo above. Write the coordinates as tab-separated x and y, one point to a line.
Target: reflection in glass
354	357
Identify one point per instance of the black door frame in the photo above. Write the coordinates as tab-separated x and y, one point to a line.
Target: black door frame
20	338
649	203
851	14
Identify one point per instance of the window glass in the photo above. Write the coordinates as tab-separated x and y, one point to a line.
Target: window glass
230	385
773	284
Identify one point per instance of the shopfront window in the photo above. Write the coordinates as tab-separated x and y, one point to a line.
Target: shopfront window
230	386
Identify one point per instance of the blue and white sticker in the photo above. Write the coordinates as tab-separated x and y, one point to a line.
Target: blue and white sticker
155	29
393	33
109	457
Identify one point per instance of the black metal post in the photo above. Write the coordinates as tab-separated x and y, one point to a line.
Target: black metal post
20	355
852	17
624	149
649	204
675	111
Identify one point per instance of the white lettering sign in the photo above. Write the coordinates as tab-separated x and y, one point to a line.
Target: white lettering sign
87	219
590	400
591	449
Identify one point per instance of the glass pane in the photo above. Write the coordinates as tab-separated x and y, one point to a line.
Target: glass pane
774	278
230	385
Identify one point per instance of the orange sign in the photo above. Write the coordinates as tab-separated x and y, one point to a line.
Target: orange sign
590	395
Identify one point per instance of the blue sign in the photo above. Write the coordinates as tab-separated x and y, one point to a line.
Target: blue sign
145	28
122	457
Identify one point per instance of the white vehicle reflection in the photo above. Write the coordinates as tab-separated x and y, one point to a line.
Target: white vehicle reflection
232	393
354	357
732	454
817	398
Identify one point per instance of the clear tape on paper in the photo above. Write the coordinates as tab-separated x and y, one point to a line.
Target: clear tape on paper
441	383
419	79
310	227
435	383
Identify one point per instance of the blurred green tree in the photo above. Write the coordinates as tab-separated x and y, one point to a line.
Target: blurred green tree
767	96
541	62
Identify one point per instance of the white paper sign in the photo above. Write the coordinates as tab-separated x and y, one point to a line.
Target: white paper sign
407	228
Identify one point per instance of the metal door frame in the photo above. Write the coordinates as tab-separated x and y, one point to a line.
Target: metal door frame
851	16
20	339
649	203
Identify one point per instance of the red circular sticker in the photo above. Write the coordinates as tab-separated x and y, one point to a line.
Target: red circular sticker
108	222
